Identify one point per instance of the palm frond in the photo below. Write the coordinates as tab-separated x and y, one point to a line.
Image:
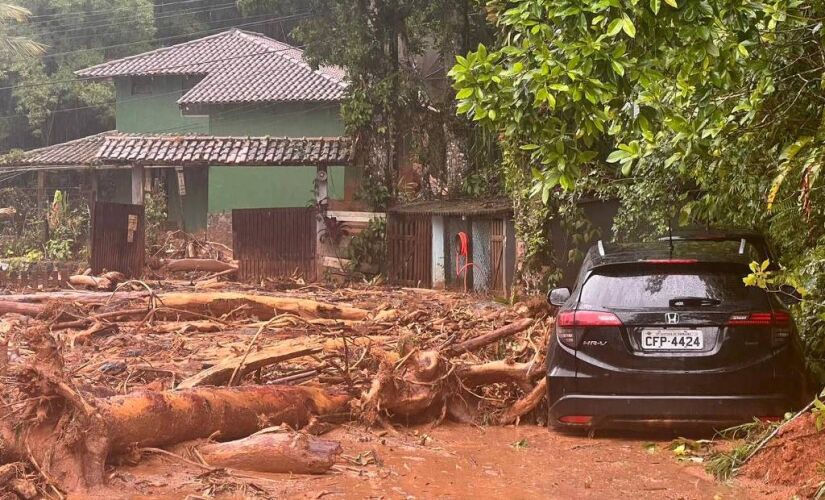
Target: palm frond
19	46
9	12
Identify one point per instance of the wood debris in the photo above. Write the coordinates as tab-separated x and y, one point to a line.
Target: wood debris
92	376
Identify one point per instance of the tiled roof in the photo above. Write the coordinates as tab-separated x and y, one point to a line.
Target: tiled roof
206	150
115	148
237	66
79	152
489	207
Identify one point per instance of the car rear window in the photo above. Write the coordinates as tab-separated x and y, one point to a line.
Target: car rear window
635	285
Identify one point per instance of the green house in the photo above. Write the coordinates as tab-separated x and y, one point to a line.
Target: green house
230	121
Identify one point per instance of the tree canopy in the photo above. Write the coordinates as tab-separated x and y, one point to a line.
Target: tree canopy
686	111
398	102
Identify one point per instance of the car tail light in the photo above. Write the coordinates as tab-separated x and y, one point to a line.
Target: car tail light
576	419
779	321
570	324
588	318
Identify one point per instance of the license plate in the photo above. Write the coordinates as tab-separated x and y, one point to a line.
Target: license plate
672	340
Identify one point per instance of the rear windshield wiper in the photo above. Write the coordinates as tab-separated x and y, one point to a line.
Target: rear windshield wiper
694	302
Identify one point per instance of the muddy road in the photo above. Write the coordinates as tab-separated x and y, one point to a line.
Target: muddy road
460	461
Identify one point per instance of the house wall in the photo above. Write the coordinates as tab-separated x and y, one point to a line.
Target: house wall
272	187
157	112
211	193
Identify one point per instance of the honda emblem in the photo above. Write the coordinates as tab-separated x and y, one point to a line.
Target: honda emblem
672	318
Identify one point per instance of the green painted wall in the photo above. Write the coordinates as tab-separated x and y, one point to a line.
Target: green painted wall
194	203
219	189
272	187
267	187
279	120
157	112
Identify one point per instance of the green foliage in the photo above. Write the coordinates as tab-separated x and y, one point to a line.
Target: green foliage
367	250
724	464
156	210
396	104
68	229
46	104
759	276
703	112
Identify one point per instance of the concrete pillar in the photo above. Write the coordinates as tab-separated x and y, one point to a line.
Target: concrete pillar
93	187
439	261
138	184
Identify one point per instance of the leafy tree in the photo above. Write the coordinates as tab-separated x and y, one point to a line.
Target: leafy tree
42	102
393	52
687	111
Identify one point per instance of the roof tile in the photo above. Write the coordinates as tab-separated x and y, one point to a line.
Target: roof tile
237	66
116	148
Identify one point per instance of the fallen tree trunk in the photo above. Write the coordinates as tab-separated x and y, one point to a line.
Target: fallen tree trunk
201	326
152	419
489	338
526	404
262	306
107	281
208	265
222	372
497	371
73	441
73	296
283	452
23	308
107	316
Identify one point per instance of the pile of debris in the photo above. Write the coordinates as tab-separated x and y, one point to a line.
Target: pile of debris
248	379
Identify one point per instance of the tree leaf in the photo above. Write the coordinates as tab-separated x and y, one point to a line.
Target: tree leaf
672	3
617	155
628	26
617	67
464	93
627	167
655	5
784	169
615	27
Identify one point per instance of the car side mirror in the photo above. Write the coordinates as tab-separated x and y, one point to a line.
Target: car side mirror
789	295
558	296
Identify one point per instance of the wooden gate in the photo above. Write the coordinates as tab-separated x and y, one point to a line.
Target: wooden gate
274	242
410	249
118	238
497	255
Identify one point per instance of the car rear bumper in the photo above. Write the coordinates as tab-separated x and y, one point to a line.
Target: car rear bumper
621	411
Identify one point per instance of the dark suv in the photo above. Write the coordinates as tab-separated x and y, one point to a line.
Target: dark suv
667	331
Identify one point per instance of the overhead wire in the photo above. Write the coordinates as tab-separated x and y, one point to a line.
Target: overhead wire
202	32
40	30
106	11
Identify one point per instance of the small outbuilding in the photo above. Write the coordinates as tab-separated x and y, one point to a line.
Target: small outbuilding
454	244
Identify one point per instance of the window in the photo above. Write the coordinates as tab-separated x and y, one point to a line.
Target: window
141	86
634	286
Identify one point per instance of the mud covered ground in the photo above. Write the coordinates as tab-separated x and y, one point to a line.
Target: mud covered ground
460	461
